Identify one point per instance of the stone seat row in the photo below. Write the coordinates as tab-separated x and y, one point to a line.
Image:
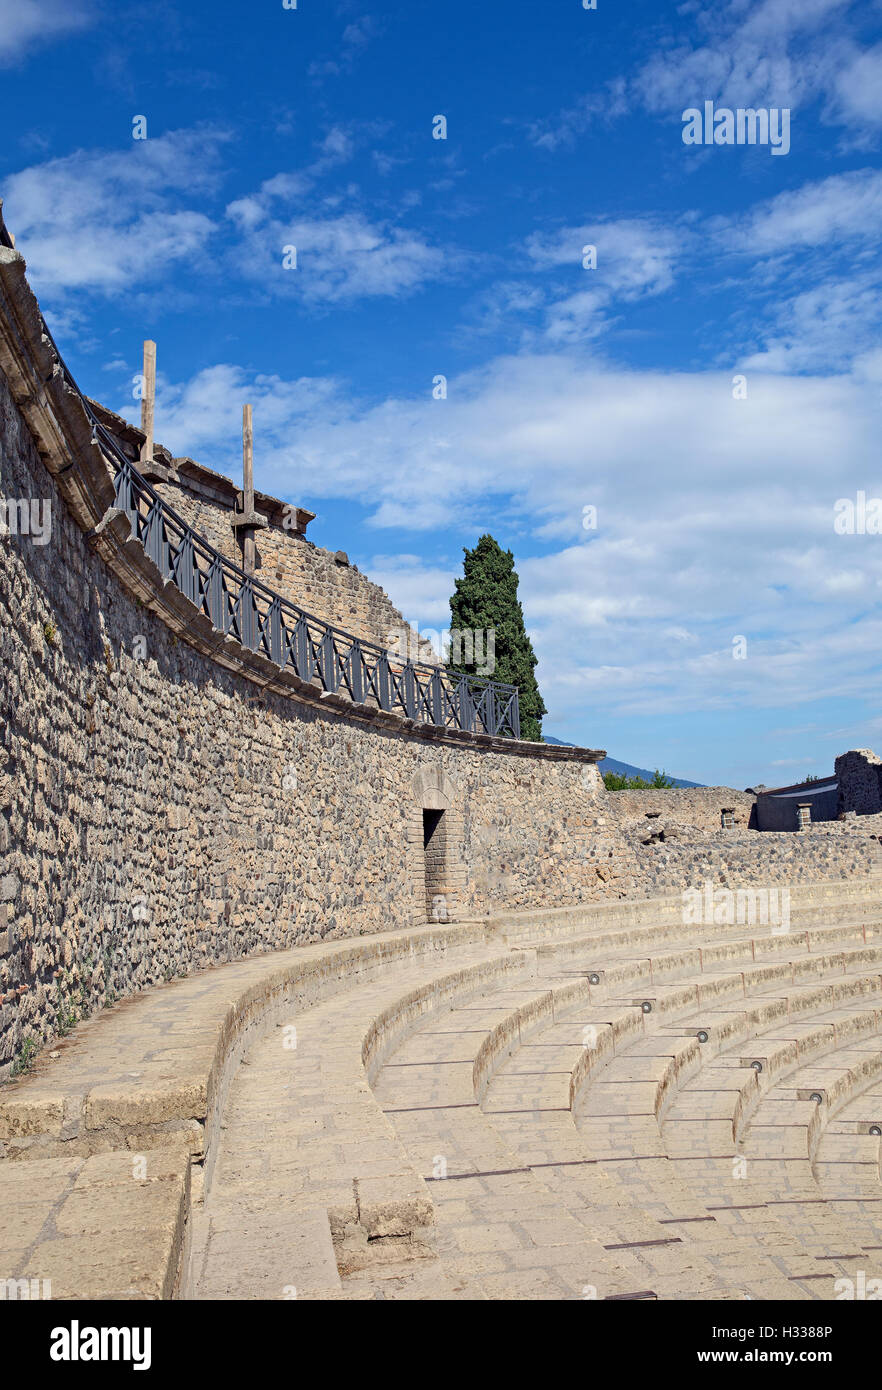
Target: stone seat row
552	1084
155	1075
515	1097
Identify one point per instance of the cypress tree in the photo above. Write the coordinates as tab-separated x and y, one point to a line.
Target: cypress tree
486	599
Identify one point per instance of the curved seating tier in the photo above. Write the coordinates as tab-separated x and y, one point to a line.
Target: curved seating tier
596	1103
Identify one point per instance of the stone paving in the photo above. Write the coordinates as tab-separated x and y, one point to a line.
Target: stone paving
673	1169
595	1104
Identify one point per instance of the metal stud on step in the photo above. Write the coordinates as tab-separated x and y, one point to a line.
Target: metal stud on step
594	978
757	1066
646	1006
702	1036
816	1097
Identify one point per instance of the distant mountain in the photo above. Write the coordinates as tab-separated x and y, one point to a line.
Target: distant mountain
613	765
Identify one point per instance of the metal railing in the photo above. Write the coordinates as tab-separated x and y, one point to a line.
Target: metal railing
319	653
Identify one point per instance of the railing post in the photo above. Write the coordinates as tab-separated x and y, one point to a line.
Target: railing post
186	565
437	695
124	494
490	715
215	595
328	661
383	691
154	539
275	631
465	705
302	661
356	672
409	691
246	614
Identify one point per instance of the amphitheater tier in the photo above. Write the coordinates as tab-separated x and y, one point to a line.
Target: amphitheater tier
522	1067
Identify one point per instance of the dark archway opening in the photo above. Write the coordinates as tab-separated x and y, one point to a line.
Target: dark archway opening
435	855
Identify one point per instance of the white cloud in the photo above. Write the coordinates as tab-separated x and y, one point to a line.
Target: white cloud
424	589
103	220
202	417
747	53
856	98
573	304
823	327
634	256
341	258
26	23
775	53
355	37
577	318
599	109
819	214
714	516
342	255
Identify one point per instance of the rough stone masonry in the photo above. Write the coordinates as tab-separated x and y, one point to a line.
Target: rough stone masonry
163	809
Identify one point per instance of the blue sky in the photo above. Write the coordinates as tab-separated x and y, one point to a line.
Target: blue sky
568	387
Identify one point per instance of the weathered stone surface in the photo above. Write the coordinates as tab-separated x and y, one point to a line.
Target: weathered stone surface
859	774
162	813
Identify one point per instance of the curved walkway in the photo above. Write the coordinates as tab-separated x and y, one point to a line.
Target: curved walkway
596	1103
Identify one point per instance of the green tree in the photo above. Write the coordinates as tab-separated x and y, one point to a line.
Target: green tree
486	600
621	782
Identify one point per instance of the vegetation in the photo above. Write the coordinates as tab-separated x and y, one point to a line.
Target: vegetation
486	600
619	782
69	1001
29	1050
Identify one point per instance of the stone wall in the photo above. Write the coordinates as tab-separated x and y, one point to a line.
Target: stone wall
696	806
159	813
859	774
322	582
736	859
169	800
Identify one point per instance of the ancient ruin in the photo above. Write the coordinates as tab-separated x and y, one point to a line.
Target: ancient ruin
317	981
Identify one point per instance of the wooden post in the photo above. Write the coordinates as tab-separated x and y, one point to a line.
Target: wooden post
248	479
148	399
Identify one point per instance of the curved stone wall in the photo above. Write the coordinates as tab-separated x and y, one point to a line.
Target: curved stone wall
166	804
170	799
321	581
